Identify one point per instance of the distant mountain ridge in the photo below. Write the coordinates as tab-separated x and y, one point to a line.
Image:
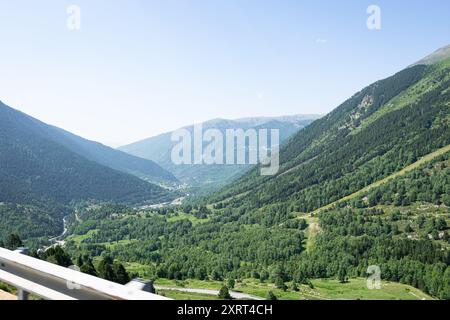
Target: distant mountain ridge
437	56
159	148
115	159
121	161
39	162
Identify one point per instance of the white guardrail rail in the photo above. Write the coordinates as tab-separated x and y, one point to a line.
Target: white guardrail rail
53	282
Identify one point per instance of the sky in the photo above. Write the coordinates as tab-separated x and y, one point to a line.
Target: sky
137	68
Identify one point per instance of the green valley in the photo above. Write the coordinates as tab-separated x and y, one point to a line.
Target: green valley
364	188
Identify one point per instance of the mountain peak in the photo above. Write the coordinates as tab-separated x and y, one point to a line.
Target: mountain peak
437	56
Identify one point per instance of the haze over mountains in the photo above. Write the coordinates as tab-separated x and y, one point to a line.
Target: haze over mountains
211	177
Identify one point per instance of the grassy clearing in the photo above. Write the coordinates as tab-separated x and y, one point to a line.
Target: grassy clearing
357	289
312	231
323	289
185	216
256	288
79	238
142	270
178	295
113	244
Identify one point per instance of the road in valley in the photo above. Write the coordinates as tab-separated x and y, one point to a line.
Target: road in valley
55	240
233	294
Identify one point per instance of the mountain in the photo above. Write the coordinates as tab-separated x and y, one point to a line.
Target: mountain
211	177
364	187
97	152
380	130
39	162
118	160
437	56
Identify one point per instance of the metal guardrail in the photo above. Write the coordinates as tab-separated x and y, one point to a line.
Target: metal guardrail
53	282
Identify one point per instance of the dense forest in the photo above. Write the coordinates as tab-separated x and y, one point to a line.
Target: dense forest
42	180
30	221
409	243
429	183
267	234
352	240
359	143
34	167
275	229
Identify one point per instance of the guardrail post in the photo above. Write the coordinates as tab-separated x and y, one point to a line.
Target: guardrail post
22	294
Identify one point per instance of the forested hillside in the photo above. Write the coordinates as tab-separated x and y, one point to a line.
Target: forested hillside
290	228
91	150
115	159
35	167
380	130
39	178
262	227
406	235
32	220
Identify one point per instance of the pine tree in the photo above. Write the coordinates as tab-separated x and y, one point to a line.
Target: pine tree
89	268
231	283
342	274
120	274
271	296
224	293
13	242
105	269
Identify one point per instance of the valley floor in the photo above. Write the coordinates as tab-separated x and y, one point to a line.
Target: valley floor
125	234
323	289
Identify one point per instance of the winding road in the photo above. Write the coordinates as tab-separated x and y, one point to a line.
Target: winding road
55	240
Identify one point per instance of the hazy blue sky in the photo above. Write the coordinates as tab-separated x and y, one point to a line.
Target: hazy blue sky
138	68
